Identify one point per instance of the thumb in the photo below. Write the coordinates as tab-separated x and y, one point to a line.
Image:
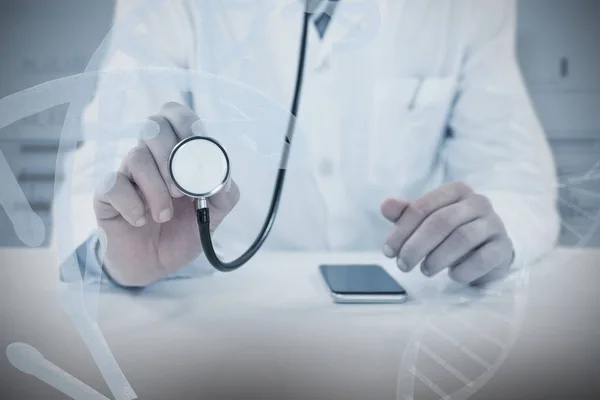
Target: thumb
222	203
392	209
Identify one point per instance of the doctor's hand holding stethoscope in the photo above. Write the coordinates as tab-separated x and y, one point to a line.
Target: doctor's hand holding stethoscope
149	223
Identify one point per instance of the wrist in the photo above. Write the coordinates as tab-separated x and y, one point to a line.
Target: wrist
109	273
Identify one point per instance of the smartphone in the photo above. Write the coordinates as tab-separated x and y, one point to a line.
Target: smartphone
370	284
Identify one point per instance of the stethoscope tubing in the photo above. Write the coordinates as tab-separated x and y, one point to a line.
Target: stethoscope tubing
202	210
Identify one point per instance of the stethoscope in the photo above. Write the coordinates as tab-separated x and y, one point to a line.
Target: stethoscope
200	168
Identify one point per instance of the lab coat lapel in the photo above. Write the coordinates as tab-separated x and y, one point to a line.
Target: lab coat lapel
354	24
280	52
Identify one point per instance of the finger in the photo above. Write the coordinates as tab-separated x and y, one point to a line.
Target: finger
498	272
480	262
223	202
181	119
437	227
459	243
421	208
140	167
121	198
161	146
391	209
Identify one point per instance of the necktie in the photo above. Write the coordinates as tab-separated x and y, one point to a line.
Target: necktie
322	20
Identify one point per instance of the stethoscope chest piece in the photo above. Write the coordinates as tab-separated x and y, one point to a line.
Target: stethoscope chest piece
199	167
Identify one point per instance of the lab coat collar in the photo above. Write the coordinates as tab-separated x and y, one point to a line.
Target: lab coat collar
315	7
349	18
343	32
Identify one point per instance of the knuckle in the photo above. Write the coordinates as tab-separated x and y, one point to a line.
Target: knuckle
160	193
163	123
483	203
481	258
139	156
108	184
463	236
484	229
151	129
163	142
496	250
171	106
420	208
120	178
113	186
462	187
187	119
499	222
462	210
186	124
178	114
507	245
136	209
478	231
442	221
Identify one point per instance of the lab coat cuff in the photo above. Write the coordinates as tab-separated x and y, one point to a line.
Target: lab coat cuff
85	266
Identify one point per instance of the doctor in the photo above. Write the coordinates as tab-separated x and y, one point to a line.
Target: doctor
421	140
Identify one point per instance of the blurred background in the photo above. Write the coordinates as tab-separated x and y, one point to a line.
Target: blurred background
558	48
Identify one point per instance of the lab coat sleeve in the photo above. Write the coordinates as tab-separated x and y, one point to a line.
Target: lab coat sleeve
496	143
86	265
158	36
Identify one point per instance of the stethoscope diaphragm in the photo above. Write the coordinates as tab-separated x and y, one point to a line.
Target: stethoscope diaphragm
199	167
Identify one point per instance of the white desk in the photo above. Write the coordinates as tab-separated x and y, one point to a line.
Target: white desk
271	331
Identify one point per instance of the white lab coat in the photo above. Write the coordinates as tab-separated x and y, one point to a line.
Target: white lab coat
399	97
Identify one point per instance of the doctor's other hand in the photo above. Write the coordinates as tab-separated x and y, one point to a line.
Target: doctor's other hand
150	226
450	228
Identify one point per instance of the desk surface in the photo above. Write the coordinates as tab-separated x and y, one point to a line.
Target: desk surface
270	330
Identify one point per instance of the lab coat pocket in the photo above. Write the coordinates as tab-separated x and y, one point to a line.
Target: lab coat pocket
408	120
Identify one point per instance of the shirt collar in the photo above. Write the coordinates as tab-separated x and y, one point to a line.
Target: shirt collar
317	7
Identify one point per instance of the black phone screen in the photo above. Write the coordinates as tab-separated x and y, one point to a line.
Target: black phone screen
360	279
